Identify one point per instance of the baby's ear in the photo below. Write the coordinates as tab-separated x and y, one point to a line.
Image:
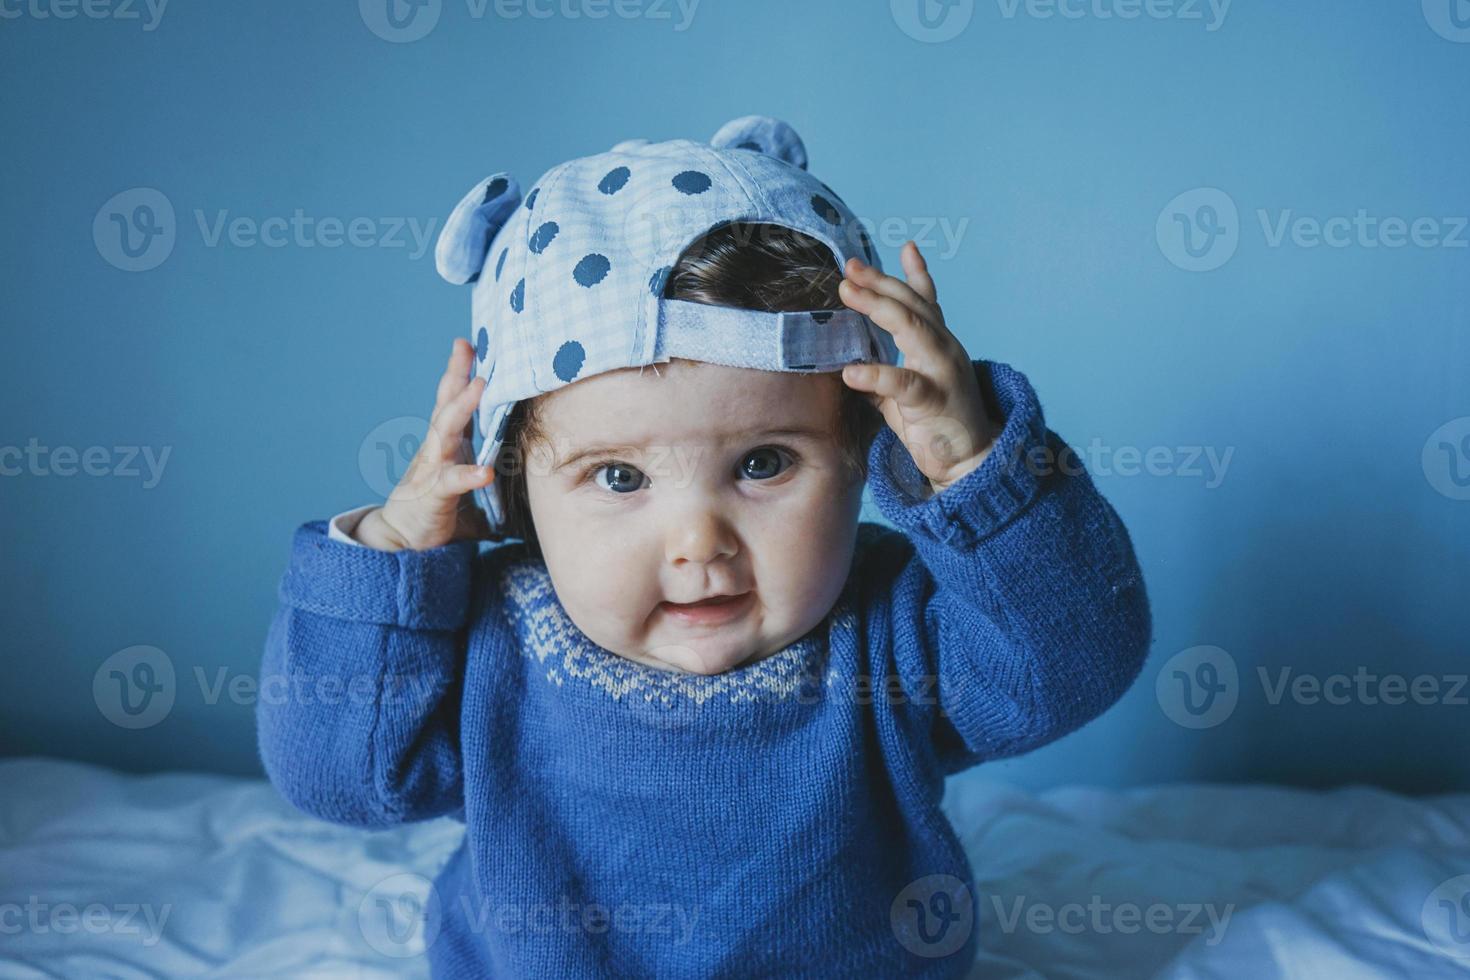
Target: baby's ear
763	133
465	240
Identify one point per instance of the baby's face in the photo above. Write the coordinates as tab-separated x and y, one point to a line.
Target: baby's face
704	480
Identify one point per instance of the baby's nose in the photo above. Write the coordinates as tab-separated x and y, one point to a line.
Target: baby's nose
701	534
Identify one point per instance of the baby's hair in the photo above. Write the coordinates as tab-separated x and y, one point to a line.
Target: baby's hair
742	264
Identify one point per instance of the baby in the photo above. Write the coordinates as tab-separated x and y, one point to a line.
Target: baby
695	716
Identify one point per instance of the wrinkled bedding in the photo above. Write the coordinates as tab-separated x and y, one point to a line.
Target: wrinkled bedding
104	874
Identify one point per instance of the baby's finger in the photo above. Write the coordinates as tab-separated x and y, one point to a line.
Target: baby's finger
456	373
461	478
448	426
915	336
917	271
880	282
906	387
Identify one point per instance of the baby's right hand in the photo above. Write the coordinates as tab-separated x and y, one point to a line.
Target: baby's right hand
431	505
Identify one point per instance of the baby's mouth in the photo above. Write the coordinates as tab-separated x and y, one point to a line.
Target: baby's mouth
711	601
715	609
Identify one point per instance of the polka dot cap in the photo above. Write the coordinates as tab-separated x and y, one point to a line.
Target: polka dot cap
568	279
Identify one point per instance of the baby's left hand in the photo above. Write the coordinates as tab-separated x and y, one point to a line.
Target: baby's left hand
933	401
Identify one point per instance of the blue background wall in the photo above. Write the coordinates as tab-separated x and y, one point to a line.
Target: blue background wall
1336	541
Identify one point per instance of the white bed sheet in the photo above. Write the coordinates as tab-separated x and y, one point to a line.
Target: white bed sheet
104	874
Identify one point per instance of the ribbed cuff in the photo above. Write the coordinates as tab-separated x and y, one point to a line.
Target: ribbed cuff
983	500
414	589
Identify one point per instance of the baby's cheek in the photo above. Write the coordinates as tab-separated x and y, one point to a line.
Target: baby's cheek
806	561
624	587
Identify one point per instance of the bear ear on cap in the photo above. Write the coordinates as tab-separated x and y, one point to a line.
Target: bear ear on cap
460	252
765	134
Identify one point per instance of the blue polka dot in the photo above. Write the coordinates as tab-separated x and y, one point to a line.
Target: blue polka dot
830	191
500	262
531	198
614	180
482	343
659	280
494	189
692	182
591	270
542	236
749	145
825	209
866	242
568	360
518	296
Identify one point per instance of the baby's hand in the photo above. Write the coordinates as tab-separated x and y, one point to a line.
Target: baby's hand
933	401
430	506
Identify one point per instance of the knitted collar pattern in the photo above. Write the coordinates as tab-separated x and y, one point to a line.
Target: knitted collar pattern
549	638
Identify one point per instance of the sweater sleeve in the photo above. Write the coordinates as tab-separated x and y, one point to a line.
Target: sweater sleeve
1020	602
358	713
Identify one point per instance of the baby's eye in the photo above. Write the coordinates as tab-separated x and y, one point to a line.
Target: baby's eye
759	464
767	463
623	478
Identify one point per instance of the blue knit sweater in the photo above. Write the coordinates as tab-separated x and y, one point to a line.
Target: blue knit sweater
779	819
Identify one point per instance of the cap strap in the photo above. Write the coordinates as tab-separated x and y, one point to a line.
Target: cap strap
811	340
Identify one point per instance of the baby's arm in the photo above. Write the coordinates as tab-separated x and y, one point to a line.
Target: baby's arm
358	715
1016	591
